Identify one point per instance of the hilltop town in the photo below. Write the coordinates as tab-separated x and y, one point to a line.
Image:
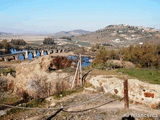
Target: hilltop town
121	35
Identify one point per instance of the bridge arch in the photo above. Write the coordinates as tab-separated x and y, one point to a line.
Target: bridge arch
20	57
30	55
45	52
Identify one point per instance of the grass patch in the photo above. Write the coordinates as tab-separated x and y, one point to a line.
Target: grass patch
103	72
115	97
65	93
5	71
9	100
14	111
35	103
148	75
32	103
68	70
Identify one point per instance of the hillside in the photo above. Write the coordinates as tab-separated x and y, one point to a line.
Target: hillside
120	35
70	33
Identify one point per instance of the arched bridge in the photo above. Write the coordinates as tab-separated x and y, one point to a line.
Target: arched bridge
7	57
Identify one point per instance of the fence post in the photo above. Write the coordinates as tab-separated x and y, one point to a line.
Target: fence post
126	98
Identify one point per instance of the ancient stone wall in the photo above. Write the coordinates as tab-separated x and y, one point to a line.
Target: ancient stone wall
139	92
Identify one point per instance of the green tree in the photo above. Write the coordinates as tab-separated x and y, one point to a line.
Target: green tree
101	56
48	41
6	46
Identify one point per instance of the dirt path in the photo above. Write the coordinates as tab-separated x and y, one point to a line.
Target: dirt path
111	111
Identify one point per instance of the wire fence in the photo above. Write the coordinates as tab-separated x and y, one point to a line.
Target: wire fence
65	107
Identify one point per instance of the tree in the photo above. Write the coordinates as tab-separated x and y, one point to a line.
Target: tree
113	55
101	56
18	42
48	41
64	37
6	46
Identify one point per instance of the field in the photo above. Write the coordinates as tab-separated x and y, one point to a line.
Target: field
148	75
27	38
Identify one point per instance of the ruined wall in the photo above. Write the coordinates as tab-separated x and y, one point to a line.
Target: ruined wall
139	92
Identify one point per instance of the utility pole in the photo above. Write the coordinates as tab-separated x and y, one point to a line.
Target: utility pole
126	98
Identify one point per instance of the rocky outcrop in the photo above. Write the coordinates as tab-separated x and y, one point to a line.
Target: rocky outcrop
34	79
120	64
139	92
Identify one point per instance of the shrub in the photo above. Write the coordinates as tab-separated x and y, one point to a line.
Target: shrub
18	42
48	41
60	62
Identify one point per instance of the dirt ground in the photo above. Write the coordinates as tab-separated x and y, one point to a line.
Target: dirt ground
86	105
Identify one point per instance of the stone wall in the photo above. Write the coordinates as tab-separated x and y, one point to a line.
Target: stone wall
139	92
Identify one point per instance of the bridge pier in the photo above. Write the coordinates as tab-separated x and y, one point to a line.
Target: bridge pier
49	52
54	51
26	55
42	52
63	50
59	51
6	59
34	53
15	57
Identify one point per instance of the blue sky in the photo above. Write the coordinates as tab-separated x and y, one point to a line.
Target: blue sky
49	16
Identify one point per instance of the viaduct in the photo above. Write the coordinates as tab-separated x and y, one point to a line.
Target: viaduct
7	57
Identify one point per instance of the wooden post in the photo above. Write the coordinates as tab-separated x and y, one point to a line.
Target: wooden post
73	82
80	71
77	79
126	99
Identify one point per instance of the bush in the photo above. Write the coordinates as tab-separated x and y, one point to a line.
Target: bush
60	62
64	37
3	84
18	42
48	41
100	66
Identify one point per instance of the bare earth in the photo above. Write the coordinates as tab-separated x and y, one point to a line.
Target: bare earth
112	111
27	38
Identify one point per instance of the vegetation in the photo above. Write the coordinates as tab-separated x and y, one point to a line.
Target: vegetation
9	100
149	75
60	62
101	56
65	37
65	93
6	46
48	41
18	42
143	56
32	103
95	47
147	55
5	71
3	84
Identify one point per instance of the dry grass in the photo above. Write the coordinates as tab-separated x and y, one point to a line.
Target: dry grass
103	72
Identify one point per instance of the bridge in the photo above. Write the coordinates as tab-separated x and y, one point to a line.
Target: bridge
7	57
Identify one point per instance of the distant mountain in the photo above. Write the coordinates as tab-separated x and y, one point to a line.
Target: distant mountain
121	35
4	33
72	33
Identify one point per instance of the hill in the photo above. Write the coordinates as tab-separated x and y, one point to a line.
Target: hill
121	35
4	33
70	33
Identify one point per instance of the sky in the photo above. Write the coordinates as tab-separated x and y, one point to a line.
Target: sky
50	16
